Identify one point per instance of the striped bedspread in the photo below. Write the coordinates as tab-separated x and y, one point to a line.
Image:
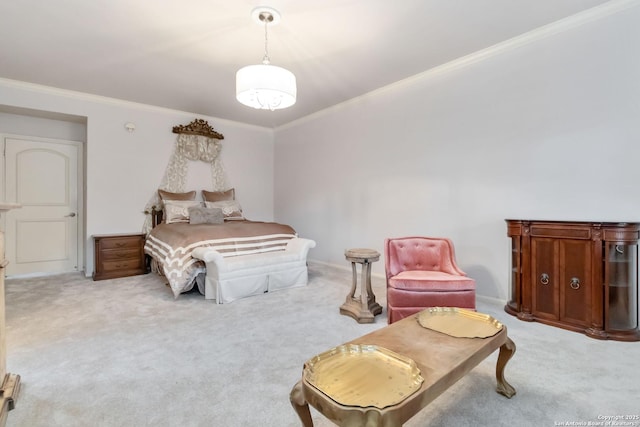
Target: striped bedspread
171	245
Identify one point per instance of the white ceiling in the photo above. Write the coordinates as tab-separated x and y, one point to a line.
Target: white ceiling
184	54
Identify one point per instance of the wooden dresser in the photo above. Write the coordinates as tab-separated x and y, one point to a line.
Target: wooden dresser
580	276
118	255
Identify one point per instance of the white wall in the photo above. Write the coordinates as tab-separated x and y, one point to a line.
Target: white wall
124	169
545	130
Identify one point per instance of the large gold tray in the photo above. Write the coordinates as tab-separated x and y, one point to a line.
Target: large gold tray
363	375
459	322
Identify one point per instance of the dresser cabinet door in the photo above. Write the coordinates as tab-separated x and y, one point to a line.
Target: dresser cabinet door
575	281
561	278
544	278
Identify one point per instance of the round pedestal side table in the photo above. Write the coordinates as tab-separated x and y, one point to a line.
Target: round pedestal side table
363	308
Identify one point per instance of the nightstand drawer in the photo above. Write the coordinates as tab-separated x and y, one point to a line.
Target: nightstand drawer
110	255
130	242
119	255
122	266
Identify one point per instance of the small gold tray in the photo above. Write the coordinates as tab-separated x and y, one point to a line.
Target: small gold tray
363	375
459	322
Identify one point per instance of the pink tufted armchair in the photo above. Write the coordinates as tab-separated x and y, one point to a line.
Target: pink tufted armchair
421	272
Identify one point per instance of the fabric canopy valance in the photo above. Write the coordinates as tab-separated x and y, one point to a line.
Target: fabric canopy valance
197	141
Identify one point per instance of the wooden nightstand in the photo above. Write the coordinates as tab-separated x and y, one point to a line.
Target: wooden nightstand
118	255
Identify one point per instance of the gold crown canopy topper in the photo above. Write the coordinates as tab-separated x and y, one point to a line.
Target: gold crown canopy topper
198	127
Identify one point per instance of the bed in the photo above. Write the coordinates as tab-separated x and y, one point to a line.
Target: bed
177	224
170	244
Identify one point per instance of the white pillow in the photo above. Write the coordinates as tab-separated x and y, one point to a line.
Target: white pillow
230	208
178	210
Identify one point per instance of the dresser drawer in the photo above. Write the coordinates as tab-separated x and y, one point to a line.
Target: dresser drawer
119	255
558	232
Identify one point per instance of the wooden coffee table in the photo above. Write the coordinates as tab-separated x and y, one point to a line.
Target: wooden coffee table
441	359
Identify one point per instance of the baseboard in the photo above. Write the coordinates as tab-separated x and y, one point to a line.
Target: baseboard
342	267
491	300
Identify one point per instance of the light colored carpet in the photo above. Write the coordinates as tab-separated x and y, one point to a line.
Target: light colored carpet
123	352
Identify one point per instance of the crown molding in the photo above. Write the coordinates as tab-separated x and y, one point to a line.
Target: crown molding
105	100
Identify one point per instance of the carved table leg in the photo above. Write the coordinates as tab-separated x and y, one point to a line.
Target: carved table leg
300	405
364	295
354	282
372	305
506	352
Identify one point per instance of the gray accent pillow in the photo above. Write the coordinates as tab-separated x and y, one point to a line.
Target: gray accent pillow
200	215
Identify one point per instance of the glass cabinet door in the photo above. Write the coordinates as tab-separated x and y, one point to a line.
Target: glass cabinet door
621	299
515	274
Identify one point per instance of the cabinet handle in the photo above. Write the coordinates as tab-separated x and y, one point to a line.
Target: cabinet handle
544	278
575	283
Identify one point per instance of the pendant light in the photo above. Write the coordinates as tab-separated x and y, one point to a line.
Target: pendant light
266	86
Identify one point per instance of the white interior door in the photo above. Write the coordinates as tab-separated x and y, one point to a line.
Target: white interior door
41	175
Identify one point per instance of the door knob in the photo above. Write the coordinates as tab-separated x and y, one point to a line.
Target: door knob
72	214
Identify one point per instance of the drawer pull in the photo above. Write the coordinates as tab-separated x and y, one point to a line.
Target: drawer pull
575	283
544	278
